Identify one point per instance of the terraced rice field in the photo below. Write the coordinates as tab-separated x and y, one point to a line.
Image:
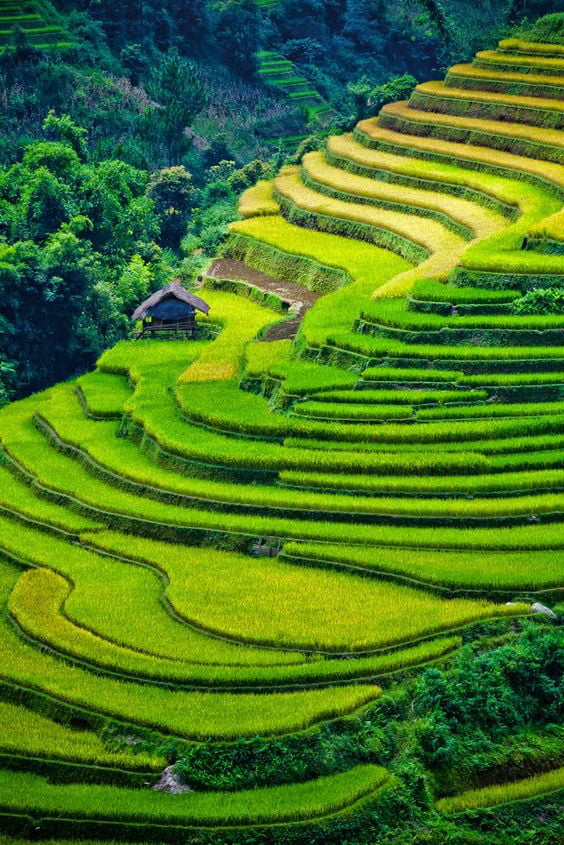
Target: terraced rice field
208	544
41	30
281	74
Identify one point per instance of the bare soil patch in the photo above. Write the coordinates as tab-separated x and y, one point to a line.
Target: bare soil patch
299	299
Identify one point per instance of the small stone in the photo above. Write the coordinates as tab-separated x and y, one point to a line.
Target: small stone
541	608
171	783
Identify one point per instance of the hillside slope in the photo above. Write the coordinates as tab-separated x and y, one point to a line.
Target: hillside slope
235	552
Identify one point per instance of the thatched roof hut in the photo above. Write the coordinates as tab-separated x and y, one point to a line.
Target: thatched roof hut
171	293
171	309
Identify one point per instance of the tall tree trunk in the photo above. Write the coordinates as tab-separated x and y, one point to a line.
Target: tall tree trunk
440	19
517	11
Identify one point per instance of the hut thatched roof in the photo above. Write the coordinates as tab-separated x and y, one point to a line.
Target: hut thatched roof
175	290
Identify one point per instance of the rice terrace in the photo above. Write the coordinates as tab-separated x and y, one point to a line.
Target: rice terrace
286	564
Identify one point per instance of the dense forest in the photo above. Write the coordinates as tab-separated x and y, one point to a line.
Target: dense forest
124	145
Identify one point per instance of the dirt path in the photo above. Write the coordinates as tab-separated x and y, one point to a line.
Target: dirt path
299	299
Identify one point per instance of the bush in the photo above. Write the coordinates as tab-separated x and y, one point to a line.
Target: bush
541	301
490	695
548	30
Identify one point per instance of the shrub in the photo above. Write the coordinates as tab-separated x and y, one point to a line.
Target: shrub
547	30
542	301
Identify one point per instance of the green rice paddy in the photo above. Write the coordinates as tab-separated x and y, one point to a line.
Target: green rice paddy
231	540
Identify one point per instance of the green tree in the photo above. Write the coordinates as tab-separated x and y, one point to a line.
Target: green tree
134	283
173	194
7	376
59	158
179	93
370	98
122	215
134	59
360	91
46	202
64	129
238	35
396	88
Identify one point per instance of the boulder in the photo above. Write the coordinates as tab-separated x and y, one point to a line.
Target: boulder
171	783
541	608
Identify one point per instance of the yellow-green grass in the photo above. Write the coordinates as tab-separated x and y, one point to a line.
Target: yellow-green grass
491	410
389	348
485	484
241	320
54	466
353	412
18	499
435	175
482	298
54	471
532	110
25	732
450	569
520	45
430	376
479	131
502	249
266	601
129	610
129	358
122	458
538	537
357	260
28	445
38	603
258	200
104	394
411	397
480	220
506	59
438	266
34	604
443	261
511	379
250	415
396	314
190	715
502	252
456	154
465	72
277	499
550	228
95	632
154	409
245	412
432	237
302	801
83	490
503	793
259	357
339	310
411	375
304	377
503	455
